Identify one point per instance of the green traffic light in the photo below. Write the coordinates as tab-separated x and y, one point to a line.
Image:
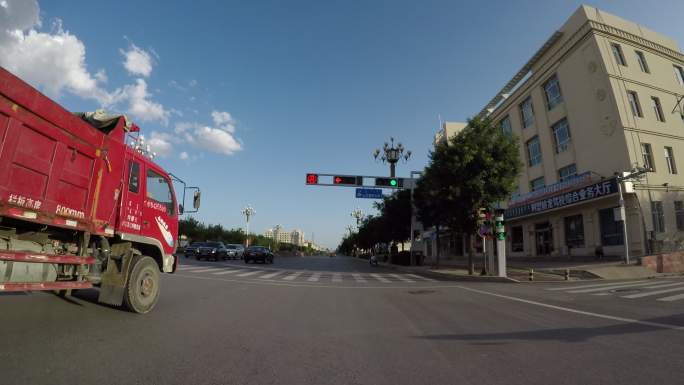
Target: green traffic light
393	182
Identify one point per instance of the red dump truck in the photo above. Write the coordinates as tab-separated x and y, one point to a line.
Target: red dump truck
82	204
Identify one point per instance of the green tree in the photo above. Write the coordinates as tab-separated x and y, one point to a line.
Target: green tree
395	211
476	168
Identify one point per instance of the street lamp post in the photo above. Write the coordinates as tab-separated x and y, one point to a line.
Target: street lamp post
392	155
248	212
358	215
621	177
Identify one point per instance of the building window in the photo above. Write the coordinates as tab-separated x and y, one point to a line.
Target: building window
611	230
647	154
567	172
634	103
517	238
679	214
553	93
534	156
505	125
574	231
679	74
527	112
658	216
617	52
669	159
561	135
657	109
642	61
536	184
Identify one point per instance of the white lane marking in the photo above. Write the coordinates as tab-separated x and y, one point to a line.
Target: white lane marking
190	268
314	277
203	271
380	278
250	273
672	298
399	277
337	277
594	285
421	277
650	293
293	276
569	310
607	288
665	285
271	275
228	272
359	278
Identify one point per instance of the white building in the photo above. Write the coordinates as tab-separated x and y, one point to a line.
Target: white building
295	237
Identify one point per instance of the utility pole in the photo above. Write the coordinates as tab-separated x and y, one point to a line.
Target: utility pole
413	212
621	177
248	212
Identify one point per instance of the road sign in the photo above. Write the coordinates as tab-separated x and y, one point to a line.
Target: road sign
370	193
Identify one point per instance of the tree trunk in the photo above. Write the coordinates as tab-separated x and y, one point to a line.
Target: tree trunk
437	245
471	266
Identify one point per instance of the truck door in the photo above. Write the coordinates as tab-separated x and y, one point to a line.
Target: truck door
160	216
130	220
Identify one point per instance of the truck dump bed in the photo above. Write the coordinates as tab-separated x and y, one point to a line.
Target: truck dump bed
52	162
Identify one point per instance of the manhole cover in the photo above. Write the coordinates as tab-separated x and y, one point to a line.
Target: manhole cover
421	291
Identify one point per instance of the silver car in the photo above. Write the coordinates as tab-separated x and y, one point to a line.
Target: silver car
235	251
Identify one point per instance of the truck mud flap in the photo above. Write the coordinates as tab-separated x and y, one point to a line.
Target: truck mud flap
115	277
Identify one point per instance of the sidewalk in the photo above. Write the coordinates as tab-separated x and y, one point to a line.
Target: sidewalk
544	269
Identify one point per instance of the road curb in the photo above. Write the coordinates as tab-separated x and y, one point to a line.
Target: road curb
452	277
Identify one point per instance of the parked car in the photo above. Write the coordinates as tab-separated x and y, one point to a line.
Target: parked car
235	251
258	253
192	249
212	250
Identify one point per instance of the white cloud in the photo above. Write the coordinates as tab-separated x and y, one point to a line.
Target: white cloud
137	61
184	155
192	83
140	106
161	143
219	139
216	140
55	62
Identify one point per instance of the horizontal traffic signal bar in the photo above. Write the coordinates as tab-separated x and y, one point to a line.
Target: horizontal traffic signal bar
340	180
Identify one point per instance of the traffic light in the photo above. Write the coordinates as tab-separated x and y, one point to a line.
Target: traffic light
347	180
389	182
499	228
311	178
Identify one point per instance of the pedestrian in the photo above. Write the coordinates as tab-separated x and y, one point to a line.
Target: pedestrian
599	252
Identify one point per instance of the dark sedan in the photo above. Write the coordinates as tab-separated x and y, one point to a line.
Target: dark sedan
258	253
192	249
212	250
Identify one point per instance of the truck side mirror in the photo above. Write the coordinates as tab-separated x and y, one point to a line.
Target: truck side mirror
181	209
196	200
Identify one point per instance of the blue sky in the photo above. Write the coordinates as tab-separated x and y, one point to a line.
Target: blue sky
307	85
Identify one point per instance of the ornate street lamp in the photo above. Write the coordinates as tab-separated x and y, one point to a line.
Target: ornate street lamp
392	155
358	215
248	212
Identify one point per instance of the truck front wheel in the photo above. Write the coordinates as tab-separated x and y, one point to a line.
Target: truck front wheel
142	288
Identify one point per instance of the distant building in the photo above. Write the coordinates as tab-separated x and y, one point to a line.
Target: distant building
447	131
295	237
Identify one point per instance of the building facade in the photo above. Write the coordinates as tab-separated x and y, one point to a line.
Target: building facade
602	96
295	237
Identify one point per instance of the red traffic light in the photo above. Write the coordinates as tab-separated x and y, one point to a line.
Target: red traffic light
311	178
348	180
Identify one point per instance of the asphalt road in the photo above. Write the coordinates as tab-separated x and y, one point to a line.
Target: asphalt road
211	328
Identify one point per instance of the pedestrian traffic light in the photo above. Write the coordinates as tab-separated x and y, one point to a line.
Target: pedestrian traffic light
499	228
346	180
389	182
311	178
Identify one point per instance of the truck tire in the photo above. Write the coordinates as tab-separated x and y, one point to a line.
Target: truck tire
142	288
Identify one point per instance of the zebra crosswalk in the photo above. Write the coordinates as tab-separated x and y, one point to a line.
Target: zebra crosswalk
307	276
664	290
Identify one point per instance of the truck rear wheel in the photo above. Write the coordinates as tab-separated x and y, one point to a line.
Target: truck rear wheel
142	288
